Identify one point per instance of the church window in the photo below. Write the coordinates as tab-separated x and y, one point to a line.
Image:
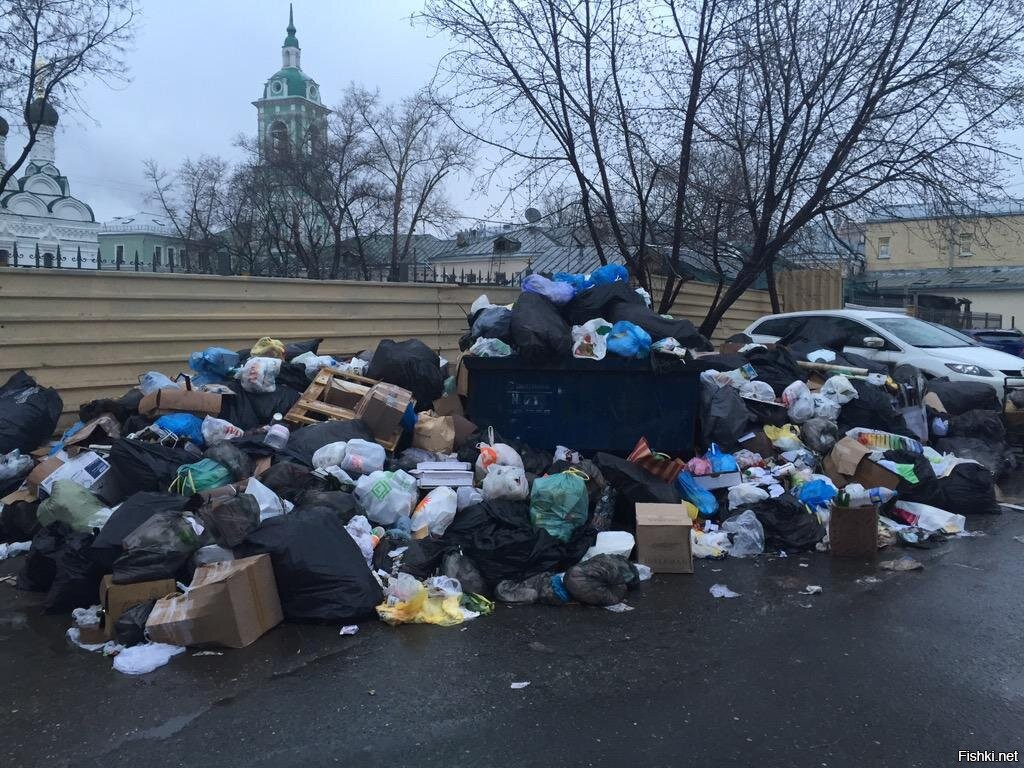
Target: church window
157	255
277	87
119	254
48	260
5	258
278	138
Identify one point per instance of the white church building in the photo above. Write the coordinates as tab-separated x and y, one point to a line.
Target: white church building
41	223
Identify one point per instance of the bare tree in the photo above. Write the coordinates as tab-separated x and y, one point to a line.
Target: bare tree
49	49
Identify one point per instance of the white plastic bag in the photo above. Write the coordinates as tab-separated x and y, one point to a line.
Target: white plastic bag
313	362
746	493
930	518
386	496
361	531
215	430
799	402
468	496
495	453
838	388
758	390
330	455
825	407
435	513
590	340
611	543
140	659
506	483
271	505
363	457
14	465
151	381
482	302
483	347
259	374
747	534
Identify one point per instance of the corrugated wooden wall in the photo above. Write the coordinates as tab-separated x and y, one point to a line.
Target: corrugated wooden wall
801	290
90	334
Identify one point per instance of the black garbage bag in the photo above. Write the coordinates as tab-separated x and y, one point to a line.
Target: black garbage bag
962	396
633	485
787	524
719	362
143	466
120	408
289	480
149	564
410	457
538	330
28	413
680	329
293	349
871	409
499	538
422	558
819	434
922	467
293	376
76	581
601	580
321	574
457	566
600	301
979	424
18	521
990	455
133	512
535	461
409	364
537	589
231	456
40	565
306	441
130	627
970	489
724	417
340	503
249	410
776	367
492	323
230	521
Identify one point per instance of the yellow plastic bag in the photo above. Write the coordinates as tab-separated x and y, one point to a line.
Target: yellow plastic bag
420	608
785	438
268	347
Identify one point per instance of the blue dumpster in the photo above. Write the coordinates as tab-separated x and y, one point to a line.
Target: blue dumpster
587	405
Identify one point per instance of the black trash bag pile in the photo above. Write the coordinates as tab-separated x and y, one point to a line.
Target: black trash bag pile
130	627
290	481
978	424
18	521
959	397
306	441
411	365
538	330
232	457
249	410
28	413
776	367
871	409
457	566
230	521
120	408
321	574
130	514
499	538
159	548
141	466
40	566
993	456
536	589
340	503
76	580
680	329
601	301
787	524
488	323
969	489
724	417
601	580
633	485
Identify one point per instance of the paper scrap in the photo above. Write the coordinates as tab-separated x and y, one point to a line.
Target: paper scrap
349	629
720	590
811	589
905	563
520	686
618	608
208	653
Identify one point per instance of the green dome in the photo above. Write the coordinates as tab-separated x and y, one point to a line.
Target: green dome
294	82
41	112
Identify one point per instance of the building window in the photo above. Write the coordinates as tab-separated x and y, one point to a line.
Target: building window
157	255
883	248
170	256
5	258
48	260
119	254
966	248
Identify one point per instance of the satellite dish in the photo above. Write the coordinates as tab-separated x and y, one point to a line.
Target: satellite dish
532	215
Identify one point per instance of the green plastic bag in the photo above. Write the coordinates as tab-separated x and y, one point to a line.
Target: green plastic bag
558	503
200	476
70	503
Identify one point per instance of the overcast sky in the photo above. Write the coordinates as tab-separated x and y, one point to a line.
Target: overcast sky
198	65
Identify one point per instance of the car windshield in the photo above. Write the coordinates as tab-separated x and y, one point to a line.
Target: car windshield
920	334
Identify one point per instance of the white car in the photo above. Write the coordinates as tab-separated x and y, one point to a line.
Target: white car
895	338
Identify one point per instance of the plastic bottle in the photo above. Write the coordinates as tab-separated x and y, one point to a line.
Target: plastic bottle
277	437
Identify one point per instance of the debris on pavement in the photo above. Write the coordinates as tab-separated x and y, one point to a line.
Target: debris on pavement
519	686
905	563
349	629
811	589
720	590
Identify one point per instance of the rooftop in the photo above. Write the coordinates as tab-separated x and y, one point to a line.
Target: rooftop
962	278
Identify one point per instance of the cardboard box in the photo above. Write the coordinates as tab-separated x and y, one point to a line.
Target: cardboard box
663	538
434	433
230	603
449	405
90	471
345	394
853	531
103	430
464	428
932	401
848	462
718	480
118	598
180	401
383	407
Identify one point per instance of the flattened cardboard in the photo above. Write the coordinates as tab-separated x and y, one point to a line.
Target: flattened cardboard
180	401
103	430
932	401
118	598
663	538
231	603
383	407
90	471
463	429
848	462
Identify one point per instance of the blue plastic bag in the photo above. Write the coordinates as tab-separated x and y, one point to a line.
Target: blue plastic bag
580	283
702	499
629	340
183	425
559	504
151	381
816	492
213	361
721	462
557	293
609	273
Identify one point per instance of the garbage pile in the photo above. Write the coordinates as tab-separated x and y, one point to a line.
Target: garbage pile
280	484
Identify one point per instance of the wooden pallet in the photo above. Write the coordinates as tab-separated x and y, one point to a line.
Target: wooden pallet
315	407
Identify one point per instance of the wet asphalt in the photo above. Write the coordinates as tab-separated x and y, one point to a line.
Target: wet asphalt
881	668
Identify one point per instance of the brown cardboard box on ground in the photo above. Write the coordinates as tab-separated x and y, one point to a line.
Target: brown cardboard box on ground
180	401
848	462
231	603
118	598
853	531
663	538
382	409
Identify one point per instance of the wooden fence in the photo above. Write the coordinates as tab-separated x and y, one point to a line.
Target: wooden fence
90	333
806	289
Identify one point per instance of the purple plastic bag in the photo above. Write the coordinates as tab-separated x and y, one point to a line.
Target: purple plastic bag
556	293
